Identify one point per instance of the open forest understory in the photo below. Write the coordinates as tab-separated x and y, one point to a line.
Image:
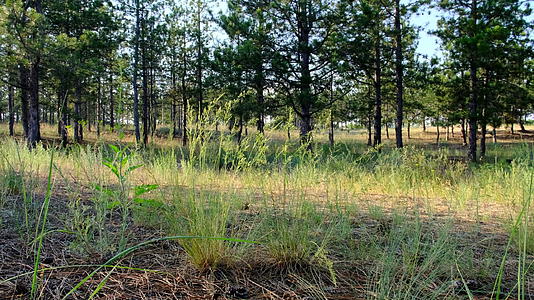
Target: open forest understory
341	222
267	149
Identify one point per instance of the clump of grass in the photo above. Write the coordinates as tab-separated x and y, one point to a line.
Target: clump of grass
207	216
303	235
12	182
414	263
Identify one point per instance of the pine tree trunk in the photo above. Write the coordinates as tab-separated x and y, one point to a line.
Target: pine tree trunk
144	73
522	124
34	130
64	118
135	71
98	107
331	132
111	104
494	134
240	130
184	105
483	140
199	71
473	102
305	92
77	115
24	101
11	109
378	95
399	75
464	134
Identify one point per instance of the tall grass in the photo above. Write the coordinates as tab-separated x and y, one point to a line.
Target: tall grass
321	210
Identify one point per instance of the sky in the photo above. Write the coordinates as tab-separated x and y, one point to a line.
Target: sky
426	20
428	43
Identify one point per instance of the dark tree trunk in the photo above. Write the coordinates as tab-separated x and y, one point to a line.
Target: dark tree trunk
331	131
473	103
438	134
184	104
59	110
305	92
184	93
64	118
34	130
98	107
260	98
409	133
135	71
24	101
483	140
152	107
494	134
78	115
199	66
144	72
369	130
424	124
399	75
11	109
111	104
240	130
174	105
522	124
378	95
464	134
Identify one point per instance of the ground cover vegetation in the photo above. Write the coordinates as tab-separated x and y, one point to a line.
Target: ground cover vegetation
265	150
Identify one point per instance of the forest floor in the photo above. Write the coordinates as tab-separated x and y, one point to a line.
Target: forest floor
350	224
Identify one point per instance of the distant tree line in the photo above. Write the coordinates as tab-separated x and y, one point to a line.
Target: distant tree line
95	65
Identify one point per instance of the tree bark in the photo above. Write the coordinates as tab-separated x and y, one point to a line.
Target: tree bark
304	93
135	71
34	130
399	75
378	95
522	124
11	109
64	118
111	103
98	107
331	132
24	101
199	71
473	102
260	98
438	134
144	74
483	140
464	134
77	115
